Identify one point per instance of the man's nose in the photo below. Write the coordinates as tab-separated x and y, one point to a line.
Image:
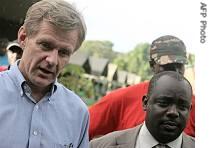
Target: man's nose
52	57
172	111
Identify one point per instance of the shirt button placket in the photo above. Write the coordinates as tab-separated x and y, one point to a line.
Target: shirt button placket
37	107
35	137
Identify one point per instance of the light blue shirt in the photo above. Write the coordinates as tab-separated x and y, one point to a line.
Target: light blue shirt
59	120
146	140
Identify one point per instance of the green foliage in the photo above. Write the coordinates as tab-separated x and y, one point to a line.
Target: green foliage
100	49
72	78
73	70
191	60
136	61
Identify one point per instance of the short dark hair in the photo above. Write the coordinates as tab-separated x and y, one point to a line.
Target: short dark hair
172	74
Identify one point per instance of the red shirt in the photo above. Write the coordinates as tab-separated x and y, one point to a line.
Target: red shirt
122	109
3	68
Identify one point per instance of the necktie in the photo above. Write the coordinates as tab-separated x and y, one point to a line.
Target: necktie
161	146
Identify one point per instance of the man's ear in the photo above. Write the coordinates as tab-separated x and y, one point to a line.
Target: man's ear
22	37
144	102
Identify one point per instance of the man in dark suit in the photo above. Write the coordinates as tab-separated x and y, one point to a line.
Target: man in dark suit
167	107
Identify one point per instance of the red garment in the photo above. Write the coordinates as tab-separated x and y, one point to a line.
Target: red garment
122	109
3	68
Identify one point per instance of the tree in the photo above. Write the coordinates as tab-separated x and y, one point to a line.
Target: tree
72	78
99	49
136	61
191	60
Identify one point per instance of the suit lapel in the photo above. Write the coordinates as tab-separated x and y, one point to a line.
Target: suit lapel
187	142
121	146
128	139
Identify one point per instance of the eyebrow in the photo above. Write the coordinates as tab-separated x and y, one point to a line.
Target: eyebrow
54	45
184	101
170	98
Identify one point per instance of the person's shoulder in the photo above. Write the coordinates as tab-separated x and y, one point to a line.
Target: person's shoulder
3	68
130	89
188	141
122	94
140	85
122	136
104	141
189	137
69	96
61	89
4	76
3	72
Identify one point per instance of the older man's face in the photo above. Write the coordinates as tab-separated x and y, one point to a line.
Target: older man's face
46	53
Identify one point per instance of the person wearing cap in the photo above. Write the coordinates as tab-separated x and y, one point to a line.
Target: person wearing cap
3	55
122	108
167	105
36	111
14	52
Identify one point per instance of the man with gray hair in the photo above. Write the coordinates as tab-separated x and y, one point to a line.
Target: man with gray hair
35	110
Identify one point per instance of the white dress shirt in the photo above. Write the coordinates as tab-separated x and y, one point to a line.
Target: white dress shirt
146	140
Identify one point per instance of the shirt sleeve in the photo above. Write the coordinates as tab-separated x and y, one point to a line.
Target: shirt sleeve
104	116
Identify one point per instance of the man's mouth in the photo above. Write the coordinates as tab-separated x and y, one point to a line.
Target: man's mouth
170	125
46	71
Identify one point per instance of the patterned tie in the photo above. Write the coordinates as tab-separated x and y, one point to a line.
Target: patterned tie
161	146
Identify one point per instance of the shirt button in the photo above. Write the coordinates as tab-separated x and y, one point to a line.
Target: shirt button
37	107
35	133
21	93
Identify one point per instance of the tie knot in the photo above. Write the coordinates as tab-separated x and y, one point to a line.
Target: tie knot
161	146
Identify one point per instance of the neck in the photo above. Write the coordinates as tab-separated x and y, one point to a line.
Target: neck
38	92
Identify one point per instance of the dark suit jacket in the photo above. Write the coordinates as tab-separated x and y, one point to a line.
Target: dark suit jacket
127	139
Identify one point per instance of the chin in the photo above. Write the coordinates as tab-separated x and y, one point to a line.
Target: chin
165	138
42	83
171	135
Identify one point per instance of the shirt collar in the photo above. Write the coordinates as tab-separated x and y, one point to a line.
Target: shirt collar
146	140
177	143
17	76
19	80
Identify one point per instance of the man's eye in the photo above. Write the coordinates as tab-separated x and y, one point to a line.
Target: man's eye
64	52
163	104
45	46
184	107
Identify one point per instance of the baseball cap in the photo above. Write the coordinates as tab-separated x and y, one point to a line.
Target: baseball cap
14	46
168	49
